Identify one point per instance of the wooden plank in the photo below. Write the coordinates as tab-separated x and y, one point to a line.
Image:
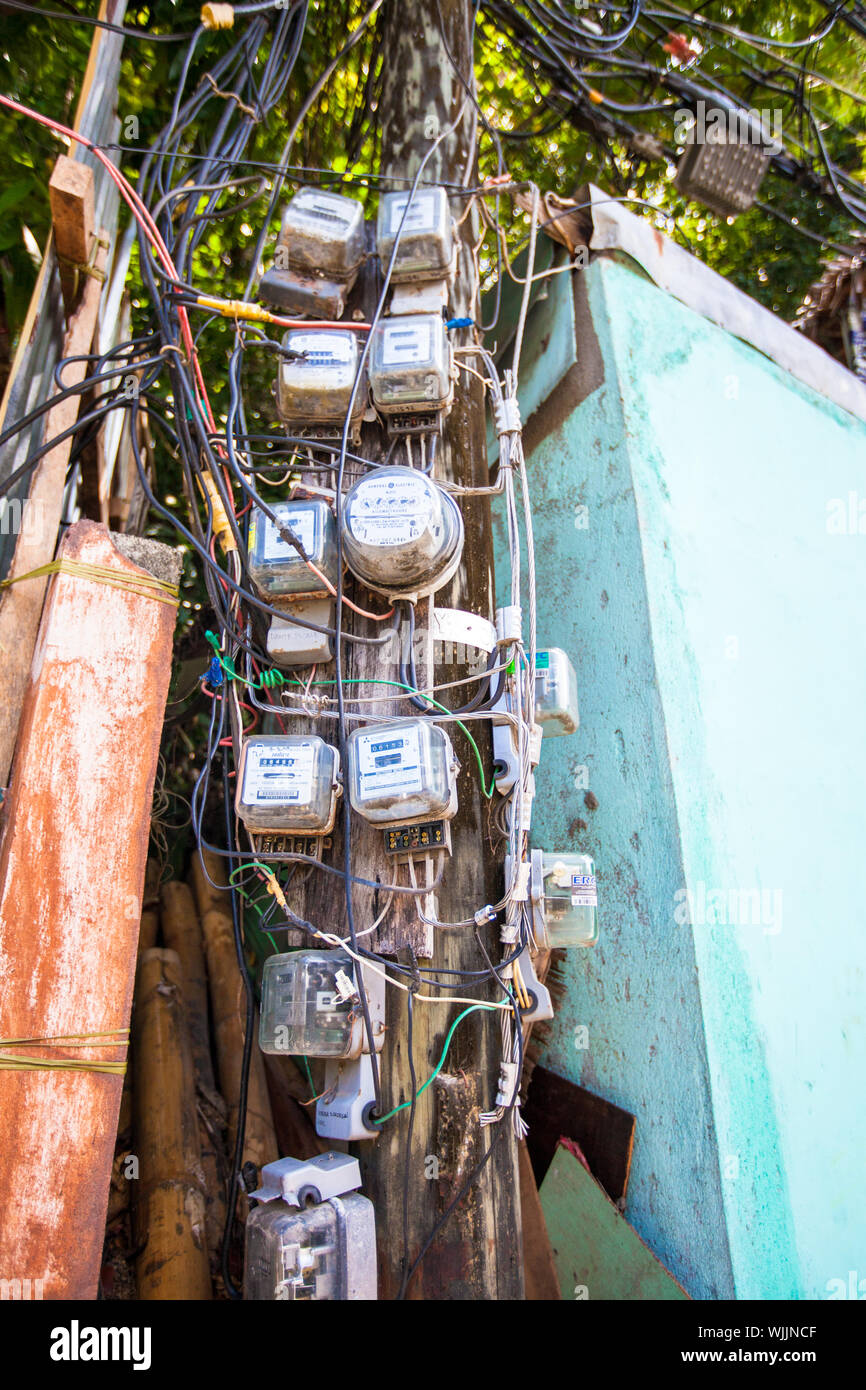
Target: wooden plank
72	867
21	605
597	1254
556	1108
539	1269
70	193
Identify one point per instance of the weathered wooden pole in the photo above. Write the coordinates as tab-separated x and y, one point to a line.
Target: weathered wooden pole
72	865
478	1254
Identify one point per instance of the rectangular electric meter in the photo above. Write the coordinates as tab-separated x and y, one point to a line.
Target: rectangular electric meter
402	771
288	782
319	250
426	246
555	693
276	567
318	1253
570	900
311	1006
411	371
314	385
323	232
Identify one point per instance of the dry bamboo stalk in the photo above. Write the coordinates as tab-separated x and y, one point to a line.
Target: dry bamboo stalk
228	1006
170	1200
148	931
182	933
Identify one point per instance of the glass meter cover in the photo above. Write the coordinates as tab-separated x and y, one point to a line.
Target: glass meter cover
288	783
276	568
319	1253
555	693
570	900
322	232
303	1012
410	364
402	771
402	533
314	388
425	250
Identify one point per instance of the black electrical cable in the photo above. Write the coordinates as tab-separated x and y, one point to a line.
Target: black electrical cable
246	1060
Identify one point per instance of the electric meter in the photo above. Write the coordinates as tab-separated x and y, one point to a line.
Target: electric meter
276	567
314	386
410	372
315	1253
318	252
555	693
402	771
426	247
569	898
289	644
311	1005
288	782
402	533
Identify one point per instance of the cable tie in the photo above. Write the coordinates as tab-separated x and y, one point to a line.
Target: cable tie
460	323
506	416
507	1084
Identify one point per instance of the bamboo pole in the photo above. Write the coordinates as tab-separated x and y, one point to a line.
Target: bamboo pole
170	1198
182	933
209	883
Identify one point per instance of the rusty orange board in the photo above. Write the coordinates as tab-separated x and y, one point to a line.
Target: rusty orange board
72	864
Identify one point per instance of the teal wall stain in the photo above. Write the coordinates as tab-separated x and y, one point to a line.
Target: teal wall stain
711	618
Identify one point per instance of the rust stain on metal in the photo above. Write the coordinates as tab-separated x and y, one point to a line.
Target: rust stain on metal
72	866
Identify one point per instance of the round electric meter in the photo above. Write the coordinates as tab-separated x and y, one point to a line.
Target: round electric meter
402	533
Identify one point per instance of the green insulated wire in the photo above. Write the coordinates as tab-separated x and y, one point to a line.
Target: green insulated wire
271	678
406	1103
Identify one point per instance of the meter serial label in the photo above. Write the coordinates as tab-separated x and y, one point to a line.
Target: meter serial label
389	764
278	774
301	524
584	892
389	511
406	344
421	216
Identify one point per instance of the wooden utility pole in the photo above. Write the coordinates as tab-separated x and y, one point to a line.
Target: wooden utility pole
478	1254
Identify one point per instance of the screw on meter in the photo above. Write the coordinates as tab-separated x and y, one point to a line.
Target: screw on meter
422	221
402	533
314	386
411	372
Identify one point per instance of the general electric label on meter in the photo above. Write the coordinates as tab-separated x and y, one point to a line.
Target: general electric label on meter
421	216
583	890
389	511
406	345
301	524
273	774
389	763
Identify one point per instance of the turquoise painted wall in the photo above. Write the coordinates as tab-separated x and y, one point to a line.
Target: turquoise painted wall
712	618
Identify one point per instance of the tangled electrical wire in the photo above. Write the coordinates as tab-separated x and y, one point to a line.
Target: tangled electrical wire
185	184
